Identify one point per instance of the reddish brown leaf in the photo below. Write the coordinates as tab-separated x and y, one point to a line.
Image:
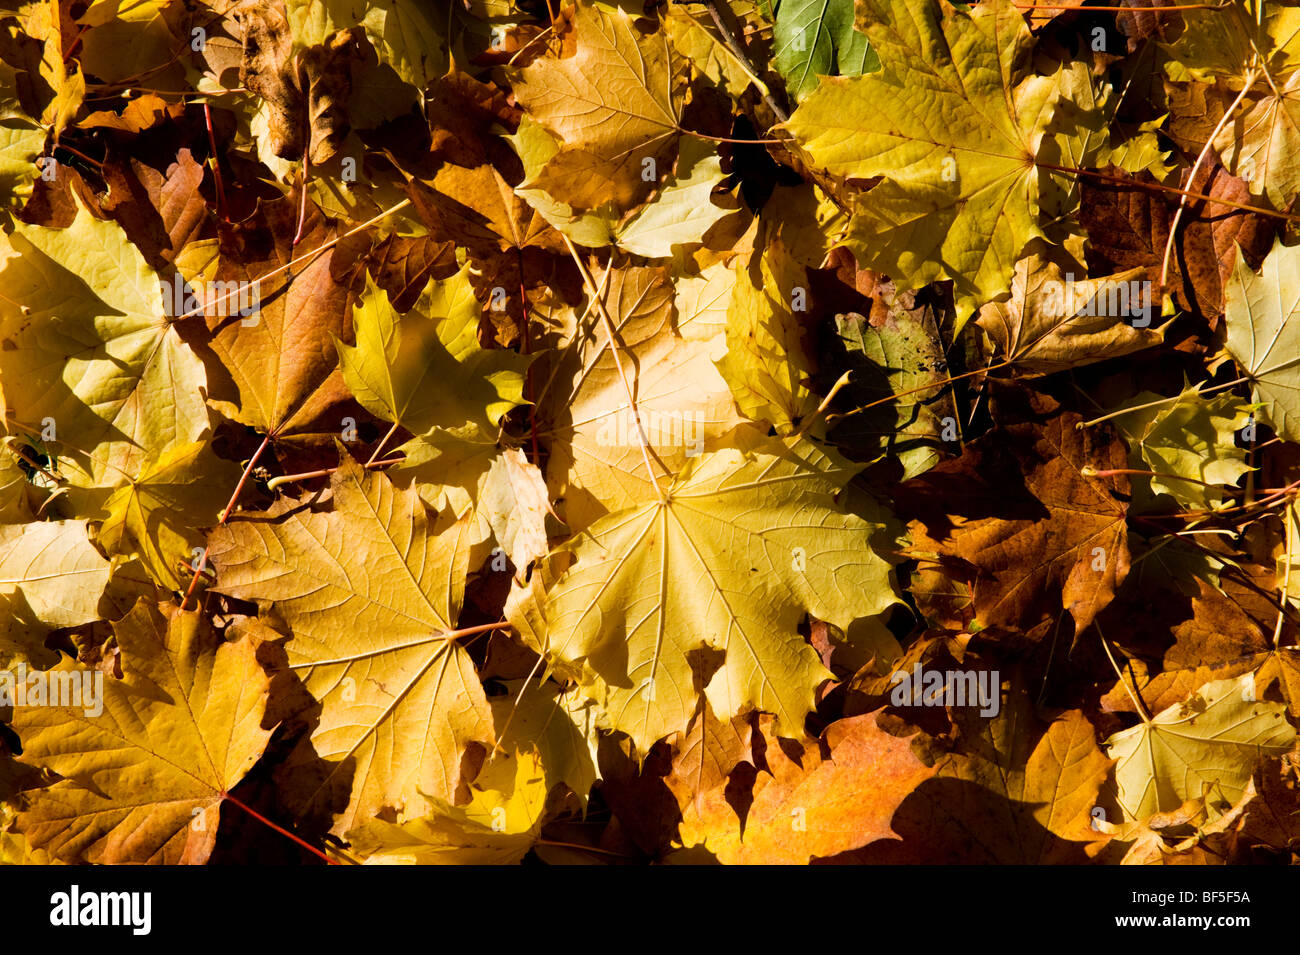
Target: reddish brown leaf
807	805
1018	507
1129	228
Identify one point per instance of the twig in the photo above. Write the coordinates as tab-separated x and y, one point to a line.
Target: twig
733	44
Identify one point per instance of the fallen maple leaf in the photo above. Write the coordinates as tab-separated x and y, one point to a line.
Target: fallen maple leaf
1042	534
655	586
807	806
614	102
52	567
83	327
1213	739
953	121
144	780
1053	321
1262	336
682	402
372	613
497	827
1009	794
280	356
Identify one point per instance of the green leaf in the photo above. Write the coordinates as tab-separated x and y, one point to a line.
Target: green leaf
815	38
1193	438
898	358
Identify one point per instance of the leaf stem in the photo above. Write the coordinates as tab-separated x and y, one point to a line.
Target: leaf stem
825	403
529	385
1289	519
1281	492
64	54
302	205
1089	471
481	628
1162	401
725	139
280	829
243	479
1262	504
79	154
157	92
380	446
17	451
225	515
283	479
523	688
911	391
1131	183
1137	700
216	164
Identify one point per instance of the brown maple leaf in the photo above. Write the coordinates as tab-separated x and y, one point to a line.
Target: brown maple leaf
1021	509
1129	227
